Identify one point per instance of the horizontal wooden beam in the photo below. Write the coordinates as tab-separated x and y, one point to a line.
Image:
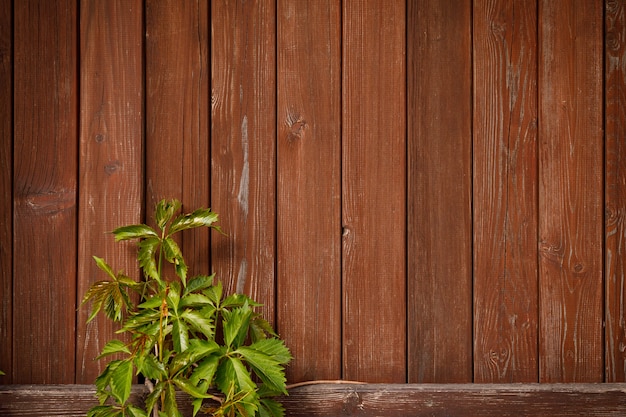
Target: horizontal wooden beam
367	400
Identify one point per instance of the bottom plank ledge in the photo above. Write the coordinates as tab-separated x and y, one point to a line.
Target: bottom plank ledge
366	400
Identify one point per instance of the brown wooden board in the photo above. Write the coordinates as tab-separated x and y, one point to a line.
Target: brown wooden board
373	193
243	146
615	191
111	129
505	191
177	115
45	191
6	190
439	191
309	182
570	192
367	400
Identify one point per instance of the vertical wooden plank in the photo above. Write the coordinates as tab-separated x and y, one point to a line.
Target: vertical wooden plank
615	192
309	183
570	191
243	146
505	191
177	114
6	190
439	192
45	158
111	150
374	200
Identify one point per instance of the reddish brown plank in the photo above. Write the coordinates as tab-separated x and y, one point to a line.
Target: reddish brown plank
45	161
6	190
373	196
439	192
365	400
111	156
177	115
309	182
615	193
505	191
243	146
570	191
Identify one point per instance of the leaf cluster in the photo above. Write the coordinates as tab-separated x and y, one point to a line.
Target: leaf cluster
183	334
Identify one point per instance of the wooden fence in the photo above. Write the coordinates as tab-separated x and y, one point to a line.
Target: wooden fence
418	191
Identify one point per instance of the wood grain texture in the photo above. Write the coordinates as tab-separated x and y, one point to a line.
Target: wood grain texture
615	192
243	146
570	192
6	190
309	186
505	191
374	191
45	187
366	400
439	192
111	131
177	115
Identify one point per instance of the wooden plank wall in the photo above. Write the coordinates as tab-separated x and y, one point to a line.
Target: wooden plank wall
418	191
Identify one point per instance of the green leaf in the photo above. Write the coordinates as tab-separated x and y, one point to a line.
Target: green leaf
101	263
180	335
275	348
265	367
135	411
146	256
171	406
155	395
199	322
235	325
165	210
121	380
198	350
205	371
200	217
151	368
271	408
135	231
114	346
190	388
199	283
214	292
194	300
174	256
104	411
242	376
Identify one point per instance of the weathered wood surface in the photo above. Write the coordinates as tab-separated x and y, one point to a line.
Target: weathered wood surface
570	240
505	191
243	146
367	400
308	295
439	219
615	190
6	188
111	146
374	191
45	157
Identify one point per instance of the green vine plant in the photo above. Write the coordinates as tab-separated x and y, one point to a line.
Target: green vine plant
183	334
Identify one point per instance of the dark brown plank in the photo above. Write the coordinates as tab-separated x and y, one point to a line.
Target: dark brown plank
615	192
505	191
177	110
368	400
45	186
309	182
570	192
243	146
111	156
6	190
439	191
373	196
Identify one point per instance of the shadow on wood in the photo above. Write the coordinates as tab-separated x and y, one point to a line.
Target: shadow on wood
367	400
